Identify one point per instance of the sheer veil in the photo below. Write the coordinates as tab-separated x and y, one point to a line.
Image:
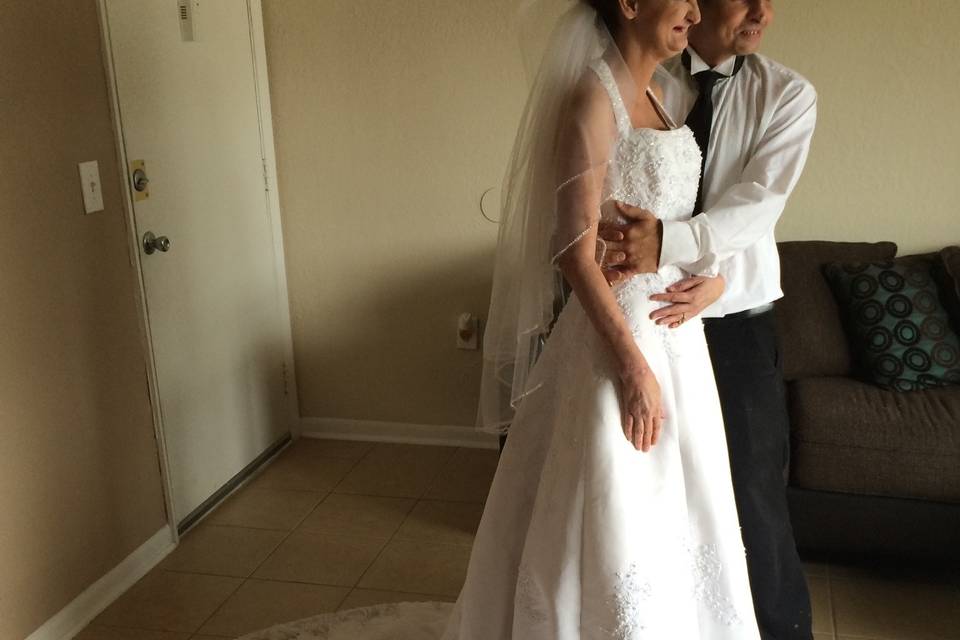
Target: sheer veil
552	193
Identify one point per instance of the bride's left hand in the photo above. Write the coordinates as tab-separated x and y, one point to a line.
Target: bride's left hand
688	298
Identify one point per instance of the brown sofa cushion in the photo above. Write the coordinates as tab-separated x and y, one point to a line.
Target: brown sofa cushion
813	342
852	437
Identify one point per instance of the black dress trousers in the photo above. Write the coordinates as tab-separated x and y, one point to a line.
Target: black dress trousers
746	361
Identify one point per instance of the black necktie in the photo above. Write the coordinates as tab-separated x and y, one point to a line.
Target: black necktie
700	118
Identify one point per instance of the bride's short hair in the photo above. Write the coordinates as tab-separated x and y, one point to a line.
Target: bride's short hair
609	12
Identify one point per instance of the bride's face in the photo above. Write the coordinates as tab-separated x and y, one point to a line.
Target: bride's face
663	25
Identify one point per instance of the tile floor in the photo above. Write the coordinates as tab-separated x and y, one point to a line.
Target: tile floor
335	525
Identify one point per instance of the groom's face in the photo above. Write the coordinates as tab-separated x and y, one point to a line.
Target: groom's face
735	27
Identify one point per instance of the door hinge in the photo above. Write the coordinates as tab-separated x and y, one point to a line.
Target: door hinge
266	175
286	379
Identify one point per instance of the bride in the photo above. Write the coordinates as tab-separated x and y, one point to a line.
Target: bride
611	514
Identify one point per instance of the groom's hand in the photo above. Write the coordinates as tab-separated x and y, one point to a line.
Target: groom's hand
688	298
633	247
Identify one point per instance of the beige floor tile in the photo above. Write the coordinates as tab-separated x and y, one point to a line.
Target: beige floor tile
225	551
350	515
895	610
301	470
112	633
466	477
203	636
397	470
367	597
323	448
265	509
321	559
259	604
824	636
444	522
169	601
820	601
419	567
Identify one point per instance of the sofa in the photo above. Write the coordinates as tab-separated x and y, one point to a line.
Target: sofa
872	471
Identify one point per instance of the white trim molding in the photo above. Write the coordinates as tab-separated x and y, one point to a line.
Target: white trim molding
102	593
397	432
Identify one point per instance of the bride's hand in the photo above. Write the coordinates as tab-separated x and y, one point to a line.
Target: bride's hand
640	406
687	299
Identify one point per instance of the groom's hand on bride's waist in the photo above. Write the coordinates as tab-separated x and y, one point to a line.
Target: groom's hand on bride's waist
633	247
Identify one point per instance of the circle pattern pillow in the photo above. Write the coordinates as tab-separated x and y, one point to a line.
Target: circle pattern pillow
898	328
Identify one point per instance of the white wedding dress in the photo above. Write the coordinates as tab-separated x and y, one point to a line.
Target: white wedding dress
583	537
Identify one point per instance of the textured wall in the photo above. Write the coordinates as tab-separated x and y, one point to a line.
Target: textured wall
393	117
80	482
887	151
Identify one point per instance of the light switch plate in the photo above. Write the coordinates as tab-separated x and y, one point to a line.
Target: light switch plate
90	183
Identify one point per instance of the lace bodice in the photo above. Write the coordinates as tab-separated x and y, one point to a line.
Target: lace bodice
658	170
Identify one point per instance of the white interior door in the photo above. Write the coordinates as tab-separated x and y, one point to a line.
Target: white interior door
189	111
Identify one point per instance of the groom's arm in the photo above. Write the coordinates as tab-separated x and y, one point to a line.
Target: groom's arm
750	209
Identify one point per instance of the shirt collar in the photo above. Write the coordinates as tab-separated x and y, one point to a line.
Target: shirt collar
697	64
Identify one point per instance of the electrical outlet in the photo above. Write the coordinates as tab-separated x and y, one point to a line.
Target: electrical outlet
468	332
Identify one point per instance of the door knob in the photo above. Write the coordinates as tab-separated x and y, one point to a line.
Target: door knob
152	243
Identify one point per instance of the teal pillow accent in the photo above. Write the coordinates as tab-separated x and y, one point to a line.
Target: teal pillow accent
899	331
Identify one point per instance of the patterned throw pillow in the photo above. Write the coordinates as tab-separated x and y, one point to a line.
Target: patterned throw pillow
898	328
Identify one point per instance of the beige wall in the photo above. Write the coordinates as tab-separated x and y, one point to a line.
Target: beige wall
79	482
393	117
886	155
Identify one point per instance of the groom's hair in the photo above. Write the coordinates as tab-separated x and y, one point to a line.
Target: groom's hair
608	10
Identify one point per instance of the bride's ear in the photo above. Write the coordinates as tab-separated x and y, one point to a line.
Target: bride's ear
629	9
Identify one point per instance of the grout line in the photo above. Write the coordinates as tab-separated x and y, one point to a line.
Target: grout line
352	468
382	549
345	598
437	596
302	520
349	589
475	502
216	610
416	503
246	526
323	496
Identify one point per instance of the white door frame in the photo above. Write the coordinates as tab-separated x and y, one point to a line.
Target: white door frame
257	43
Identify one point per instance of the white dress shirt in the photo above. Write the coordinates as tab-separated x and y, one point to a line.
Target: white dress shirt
763	122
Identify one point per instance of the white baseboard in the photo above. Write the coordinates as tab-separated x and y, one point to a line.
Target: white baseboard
98	596
397	432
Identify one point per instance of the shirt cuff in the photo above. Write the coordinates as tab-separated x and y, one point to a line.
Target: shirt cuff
681	247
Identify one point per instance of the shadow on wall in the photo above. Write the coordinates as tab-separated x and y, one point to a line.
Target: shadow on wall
393	352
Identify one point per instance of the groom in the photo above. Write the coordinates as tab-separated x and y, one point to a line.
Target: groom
753	120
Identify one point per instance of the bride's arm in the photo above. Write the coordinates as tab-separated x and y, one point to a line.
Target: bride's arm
583	147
